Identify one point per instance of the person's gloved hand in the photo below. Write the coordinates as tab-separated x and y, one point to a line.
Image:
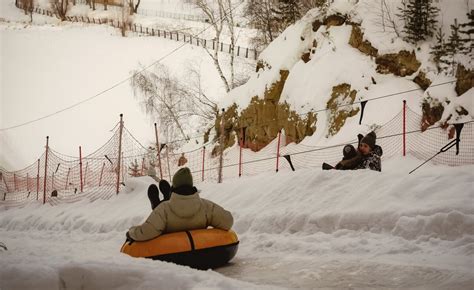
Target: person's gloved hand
129	240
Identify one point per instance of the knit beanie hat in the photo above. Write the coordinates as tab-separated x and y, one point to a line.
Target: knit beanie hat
182	177
369	139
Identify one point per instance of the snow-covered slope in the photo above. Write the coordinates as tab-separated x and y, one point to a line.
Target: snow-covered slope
307	229
62	49
332	61
48	67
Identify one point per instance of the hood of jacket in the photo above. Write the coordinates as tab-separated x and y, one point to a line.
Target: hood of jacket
185	206
378	150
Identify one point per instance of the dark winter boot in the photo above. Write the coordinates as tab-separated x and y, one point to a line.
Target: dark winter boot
165	189
327	166
153	196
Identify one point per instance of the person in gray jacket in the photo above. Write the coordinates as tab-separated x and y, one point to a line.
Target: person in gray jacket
185	210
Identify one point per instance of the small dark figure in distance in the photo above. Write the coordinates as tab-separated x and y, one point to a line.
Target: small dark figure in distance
182	160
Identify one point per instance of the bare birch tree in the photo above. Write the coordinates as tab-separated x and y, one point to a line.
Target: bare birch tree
28	6
60	7
215	12
261	14
125	18
133	4
205	108
173	103
385	17
162	98
231	27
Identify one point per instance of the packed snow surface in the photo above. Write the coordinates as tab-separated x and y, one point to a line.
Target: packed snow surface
305	229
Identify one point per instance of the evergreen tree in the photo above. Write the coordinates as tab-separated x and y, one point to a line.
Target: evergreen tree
455	44
467	31
420	19
288	11
261	14
134	169
439	50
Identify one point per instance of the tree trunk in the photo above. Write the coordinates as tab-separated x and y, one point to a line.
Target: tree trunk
30	10
130	7
230	25
135	9
215	58
175	119
217	24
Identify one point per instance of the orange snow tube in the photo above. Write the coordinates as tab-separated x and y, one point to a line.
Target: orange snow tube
200	249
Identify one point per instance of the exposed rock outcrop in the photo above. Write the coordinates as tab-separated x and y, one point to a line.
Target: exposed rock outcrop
316	24
263	120
334	20
400	64
261	65
306	57
338	113
231	126
274	92
260	122
422	80
432	111
465	80
357	41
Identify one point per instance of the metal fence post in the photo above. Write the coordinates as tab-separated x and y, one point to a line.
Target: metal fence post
278	152
119	159
80	168
45	169
404	126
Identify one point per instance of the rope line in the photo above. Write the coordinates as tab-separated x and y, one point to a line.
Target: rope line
69	180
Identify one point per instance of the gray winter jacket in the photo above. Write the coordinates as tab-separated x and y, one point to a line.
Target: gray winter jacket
180	213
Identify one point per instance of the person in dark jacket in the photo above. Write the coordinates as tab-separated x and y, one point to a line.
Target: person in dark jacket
370	153
367	155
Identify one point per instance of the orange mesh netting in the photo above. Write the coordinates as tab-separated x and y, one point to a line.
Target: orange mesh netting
56	178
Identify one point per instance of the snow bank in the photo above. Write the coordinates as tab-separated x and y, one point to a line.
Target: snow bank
309	202
307	214
455	111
